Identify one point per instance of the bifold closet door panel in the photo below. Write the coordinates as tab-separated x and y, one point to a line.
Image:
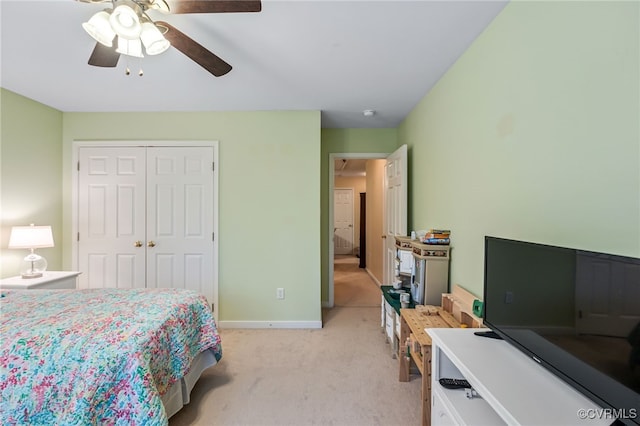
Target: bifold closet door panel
180	218
111	217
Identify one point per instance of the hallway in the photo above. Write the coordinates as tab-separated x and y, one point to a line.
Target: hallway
353	287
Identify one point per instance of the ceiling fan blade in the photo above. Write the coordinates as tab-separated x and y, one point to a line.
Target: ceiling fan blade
214	6
103	56
192	49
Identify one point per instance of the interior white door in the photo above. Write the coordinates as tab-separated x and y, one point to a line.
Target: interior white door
146	218
179	220
343	221
111	217
395	199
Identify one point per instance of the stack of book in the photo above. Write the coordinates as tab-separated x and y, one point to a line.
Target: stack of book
437	236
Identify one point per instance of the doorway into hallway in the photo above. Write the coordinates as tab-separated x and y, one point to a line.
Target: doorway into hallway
353	286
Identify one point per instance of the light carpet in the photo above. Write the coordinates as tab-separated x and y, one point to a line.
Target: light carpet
342	374
352	285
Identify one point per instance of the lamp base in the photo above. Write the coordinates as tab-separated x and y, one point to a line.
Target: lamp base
27	275
33	266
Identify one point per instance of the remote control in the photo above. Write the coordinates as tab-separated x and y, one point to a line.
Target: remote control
454	383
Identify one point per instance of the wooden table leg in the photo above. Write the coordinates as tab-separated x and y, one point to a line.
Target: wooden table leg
426	385
404	356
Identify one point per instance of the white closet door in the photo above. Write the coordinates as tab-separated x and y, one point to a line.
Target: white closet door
180	218
111	217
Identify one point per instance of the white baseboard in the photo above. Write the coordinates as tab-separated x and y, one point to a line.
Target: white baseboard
373	277
270	324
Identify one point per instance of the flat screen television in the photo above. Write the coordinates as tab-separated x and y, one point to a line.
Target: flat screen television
575	312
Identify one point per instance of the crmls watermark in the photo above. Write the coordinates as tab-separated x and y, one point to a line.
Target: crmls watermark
607	413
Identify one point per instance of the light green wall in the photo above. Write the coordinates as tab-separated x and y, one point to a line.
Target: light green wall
345	141
30	177
269	221
269	165
534	134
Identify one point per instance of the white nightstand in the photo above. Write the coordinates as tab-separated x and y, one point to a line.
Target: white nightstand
49	280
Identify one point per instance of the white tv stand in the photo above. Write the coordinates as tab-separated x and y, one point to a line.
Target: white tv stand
512	388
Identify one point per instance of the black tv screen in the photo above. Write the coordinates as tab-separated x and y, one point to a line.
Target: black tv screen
575	312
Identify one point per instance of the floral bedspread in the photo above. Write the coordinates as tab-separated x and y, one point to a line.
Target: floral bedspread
93	357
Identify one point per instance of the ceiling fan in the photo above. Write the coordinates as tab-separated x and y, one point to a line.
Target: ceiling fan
126	27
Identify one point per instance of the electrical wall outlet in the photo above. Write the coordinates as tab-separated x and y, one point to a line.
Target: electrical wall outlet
280	293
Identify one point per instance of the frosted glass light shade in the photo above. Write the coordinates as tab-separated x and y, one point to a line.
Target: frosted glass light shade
125	21
131	25
100	29
130	47
153	40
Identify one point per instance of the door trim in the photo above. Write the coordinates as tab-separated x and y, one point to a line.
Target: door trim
75	181
393	218
332	157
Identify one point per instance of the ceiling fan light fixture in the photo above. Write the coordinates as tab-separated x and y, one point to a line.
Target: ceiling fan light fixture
160	5
125	19
100	29
153	40
133	28
130	47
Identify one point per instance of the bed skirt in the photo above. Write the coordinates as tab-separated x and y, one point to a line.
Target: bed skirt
179	394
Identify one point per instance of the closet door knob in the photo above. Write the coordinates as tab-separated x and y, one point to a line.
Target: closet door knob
137	244
151	244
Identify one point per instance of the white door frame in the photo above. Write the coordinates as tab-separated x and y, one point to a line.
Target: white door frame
332	178
75	150
395	208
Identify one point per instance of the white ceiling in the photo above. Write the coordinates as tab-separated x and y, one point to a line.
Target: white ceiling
339	57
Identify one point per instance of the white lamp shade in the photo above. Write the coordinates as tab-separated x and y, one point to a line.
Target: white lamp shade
30	237
153	40
130	47
125	22
100	29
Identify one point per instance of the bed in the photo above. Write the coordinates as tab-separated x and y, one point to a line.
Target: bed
115	356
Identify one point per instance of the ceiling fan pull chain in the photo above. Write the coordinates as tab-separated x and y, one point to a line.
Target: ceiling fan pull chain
127	70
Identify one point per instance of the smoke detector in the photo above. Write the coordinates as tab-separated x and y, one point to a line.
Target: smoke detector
368	113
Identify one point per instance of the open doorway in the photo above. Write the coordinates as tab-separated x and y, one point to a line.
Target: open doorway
356	211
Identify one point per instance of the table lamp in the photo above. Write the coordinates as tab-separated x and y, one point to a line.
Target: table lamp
31	237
